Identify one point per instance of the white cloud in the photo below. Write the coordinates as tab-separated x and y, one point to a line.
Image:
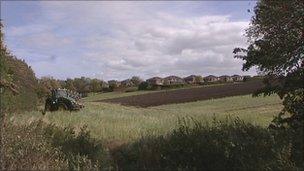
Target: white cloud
121	39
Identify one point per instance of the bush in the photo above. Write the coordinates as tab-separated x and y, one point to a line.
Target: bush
143	86
26	84
77	146
25	147
46	147
221	146
112	87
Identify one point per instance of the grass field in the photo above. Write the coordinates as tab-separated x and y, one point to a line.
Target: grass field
113	122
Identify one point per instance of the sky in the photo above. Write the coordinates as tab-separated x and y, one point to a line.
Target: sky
118	40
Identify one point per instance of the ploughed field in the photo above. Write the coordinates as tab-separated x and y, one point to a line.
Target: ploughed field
187	95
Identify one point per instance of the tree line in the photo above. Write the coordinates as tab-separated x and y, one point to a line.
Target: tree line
83	85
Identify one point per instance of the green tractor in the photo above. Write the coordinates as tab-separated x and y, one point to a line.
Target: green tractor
62	99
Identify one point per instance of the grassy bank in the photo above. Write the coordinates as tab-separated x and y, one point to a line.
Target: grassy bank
214	134
121	123
229	144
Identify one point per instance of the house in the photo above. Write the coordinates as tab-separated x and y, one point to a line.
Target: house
226	78
127	83
237	78
194	79
211	78
170	80
114	83
155	81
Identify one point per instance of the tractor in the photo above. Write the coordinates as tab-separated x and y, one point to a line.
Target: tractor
62	99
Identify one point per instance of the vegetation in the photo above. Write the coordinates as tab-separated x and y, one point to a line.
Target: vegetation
45	85
113	122
222	145
18	82
136	80
41	146
24	147
111	136
81	85
277	49
144	86
232	144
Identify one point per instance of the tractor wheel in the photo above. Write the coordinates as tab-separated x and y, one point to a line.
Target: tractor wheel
62	107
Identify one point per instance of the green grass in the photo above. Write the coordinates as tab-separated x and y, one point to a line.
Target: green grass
113	122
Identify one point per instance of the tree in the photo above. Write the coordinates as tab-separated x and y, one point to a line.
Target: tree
95	85
45	85
79	84
136	80
143	86
199	79
17	87
3	76
276	48
69	84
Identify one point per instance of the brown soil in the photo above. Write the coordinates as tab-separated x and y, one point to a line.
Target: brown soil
188	95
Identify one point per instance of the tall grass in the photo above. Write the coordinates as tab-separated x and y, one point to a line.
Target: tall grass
229	144
130	138
222	145
40	146
111	122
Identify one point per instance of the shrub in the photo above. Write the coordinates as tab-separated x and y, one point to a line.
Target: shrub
77	147
221	146
25	147
46	147
143	86
17	72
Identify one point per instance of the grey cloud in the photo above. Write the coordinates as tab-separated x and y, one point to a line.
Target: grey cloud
121	39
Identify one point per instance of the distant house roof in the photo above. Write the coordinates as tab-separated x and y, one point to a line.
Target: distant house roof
211	76
225	76
113	82
194	79
191	76
172	77
155	81
103	81
154	78
127	82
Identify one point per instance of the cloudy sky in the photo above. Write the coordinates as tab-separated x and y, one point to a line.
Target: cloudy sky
116	40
